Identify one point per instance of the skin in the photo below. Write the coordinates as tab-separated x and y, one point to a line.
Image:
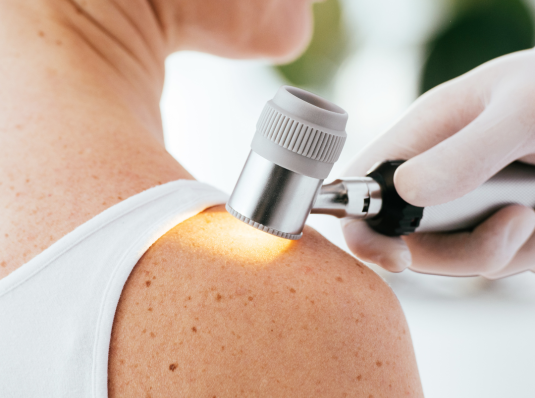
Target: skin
80	131
210	315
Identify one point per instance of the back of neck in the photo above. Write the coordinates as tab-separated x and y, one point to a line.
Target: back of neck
80	128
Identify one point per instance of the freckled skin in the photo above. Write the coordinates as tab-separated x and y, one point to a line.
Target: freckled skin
297	337
80	130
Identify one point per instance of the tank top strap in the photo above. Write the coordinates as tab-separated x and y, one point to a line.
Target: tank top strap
57	310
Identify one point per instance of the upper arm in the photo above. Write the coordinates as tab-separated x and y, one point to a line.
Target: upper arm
218	309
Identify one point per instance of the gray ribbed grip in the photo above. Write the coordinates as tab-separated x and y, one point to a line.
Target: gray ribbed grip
296	136
301	132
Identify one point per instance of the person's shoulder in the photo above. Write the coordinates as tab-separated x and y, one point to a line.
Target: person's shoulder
216	308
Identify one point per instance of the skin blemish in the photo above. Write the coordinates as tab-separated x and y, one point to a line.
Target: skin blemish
222	348
58	42
41	33
153	277
3	263
250	298
194	329
379	364
338	279
241	291
292	290
144	331
189	297
150	308
152	334
218	297
147	283
359	377
172	367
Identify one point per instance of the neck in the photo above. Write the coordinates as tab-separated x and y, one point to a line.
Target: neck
116	47
80	126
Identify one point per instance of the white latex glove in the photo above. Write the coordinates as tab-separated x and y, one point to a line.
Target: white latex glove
457	136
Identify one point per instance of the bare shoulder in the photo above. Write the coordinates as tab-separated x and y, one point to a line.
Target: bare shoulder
218	309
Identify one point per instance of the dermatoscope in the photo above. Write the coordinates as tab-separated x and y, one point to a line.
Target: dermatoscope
299	136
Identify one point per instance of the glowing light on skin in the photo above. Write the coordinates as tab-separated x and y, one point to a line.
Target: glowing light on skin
223	235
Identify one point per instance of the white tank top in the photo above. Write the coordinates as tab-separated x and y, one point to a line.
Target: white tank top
57	310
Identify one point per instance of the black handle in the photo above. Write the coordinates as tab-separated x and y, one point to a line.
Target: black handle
396	217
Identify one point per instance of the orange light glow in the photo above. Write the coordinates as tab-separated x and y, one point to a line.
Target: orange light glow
234	239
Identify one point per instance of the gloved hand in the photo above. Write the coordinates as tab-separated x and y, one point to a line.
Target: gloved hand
457	136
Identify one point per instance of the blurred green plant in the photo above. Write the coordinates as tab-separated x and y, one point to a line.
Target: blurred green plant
479	31
317	66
